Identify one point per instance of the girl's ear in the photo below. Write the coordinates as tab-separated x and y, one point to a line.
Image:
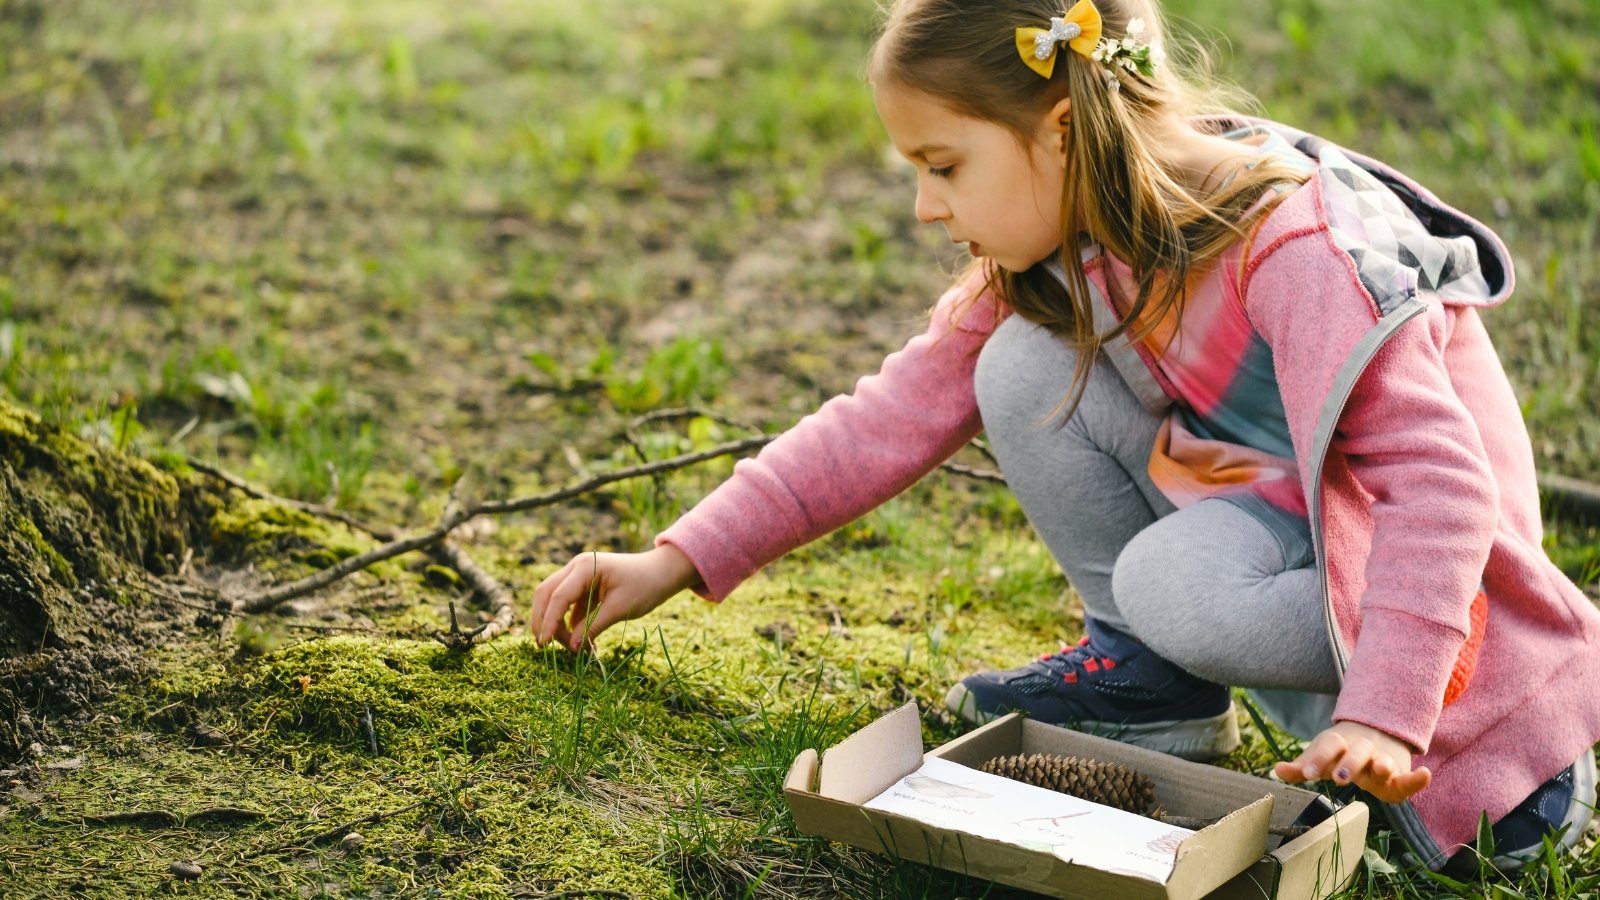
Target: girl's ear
1058	122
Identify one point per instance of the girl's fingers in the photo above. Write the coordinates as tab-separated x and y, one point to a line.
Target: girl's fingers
1316	761
570	600
1354	762
589	626
1358	761
541	602
1400	787
541	599
548	618
1383	767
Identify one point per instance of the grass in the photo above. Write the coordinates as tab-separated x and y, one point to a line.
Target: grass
356	250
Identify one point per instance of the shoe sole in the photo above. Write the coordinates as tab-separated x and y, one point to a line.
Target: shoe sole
1196	739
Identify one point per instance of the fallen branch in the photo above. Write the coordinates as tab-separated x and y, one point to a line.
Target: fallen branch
661	465
315	509
1570	499
457	512
501	600
455	639
973	472
690	412
454	514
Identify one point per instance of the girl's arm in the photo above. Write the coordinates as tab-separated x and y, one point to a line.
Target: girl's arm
851	455
1407	439
857	451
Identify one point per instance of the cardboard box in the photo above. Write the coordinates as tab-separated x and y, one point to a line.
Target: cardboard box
1235	859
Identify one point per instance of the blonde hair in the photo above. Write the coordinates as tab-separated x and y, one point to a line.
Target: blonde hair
963	54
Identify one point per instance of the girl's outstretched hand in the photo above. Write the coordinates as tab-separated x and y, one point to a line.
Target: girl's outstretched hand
594	591
1377	763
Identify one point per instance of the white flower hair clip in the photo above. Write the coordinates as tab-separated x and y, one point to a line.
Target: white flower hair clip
1129	53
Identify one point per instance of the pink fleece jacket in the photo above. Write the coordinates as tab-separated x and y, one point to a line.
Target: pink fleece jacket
1417	468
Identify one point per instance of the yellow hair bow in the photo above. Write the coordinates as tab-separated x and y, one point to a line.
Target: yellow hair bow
1080	28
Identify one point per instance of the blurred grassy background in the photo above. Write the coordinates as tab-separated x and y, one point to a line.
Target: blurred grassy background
324	227
352	249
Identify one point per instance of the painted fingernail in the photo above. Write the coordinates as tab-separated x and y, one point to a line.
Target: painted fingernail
1341	774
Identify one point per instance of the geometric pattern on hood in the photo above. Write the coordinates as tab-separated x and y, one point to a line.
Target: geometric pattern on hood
1394	252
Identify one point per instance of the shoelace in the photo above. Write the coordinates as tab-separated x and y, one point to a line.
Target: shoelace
1072	657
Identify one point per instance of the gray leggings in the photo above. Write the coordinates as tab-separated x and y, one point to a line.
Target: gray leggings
1212	587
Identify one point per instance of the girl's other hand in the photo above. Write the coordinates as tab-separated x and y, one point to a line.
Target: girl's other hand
1377	763
594	591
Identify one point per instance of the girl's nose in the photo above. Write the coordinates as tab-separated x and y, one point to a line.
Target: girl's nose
928	208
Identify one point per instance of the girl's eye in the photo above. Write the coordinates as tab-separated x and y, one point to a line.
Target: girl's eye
939	172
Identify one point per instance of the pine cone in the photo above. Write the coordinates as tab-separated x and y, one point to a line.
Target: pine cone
1106	783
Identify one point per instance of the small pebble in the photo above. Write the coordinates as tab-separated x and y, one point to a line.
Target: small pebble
351	842
187	869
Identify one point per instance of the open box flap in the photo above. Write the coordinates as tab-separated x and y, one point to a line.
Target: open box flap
866	763
1309	867
1318	862
1213	855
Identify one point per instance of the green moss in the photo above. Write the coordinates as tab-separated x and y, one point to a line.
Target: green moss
29	532
274	536
441	576
75	517
17	423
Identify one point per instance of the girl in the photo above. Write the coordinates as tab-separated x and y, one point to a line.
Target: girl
1237	379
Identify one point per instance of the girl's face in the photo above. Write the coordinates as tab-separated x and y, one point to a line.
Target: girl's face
999	196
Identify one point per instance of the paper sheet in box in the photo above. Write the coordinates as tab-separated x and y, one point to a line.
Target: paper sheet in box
950	795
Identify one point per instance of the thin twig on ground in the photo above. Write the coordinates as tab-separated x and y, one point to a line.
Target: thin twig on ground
456	512
681	461
974	472
501	600
453	515
315	509
691	412
455	639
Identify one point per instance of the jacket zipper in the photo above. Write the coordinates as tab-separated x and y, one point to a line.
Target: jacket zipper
1412	308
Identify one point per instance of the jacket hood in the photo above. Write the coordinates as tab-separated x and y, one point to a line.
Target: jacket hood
1401	237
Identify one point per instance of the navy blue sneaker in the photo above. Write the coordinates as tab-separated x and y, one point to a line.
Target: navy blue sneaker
1111	685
